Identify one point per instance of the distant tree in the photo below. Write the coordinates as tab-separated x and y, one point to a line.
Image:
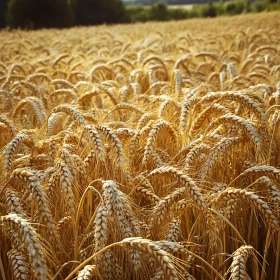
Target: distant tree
159	12
3	13
138	13
36	14
211	9
236	7
91	12
178	13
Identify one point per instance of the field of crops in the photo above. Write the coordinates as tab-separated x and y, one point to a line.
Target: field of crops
146	151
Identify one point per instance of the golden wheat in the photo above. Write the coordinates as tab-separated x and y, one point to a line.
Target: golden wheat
146	151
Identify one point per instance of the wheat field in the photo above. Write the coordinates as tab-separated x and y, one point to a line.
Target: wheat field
145	151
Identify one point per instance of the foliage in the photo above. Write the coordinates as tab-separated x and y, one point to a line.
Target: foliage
273	6
259	5
178	14
138	13
236	7
64	13
89	12
203	10
37	14
159	12
3	12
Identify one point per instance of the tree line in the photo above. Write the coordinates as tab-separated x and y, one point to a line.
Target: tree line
35	14
167	2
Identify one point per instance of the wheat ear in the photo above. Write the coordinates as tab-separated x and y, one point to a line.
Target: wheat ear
253	199
238	266
19	265
27	234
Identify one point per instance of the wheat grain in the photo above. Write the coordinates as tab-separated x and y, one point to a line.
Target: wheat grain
35	253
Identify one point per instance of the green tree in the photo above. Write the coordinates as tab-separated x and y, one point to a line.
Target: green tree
91	12
211	10
178	13
159	12
36	14
3	12
138	13
236	7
